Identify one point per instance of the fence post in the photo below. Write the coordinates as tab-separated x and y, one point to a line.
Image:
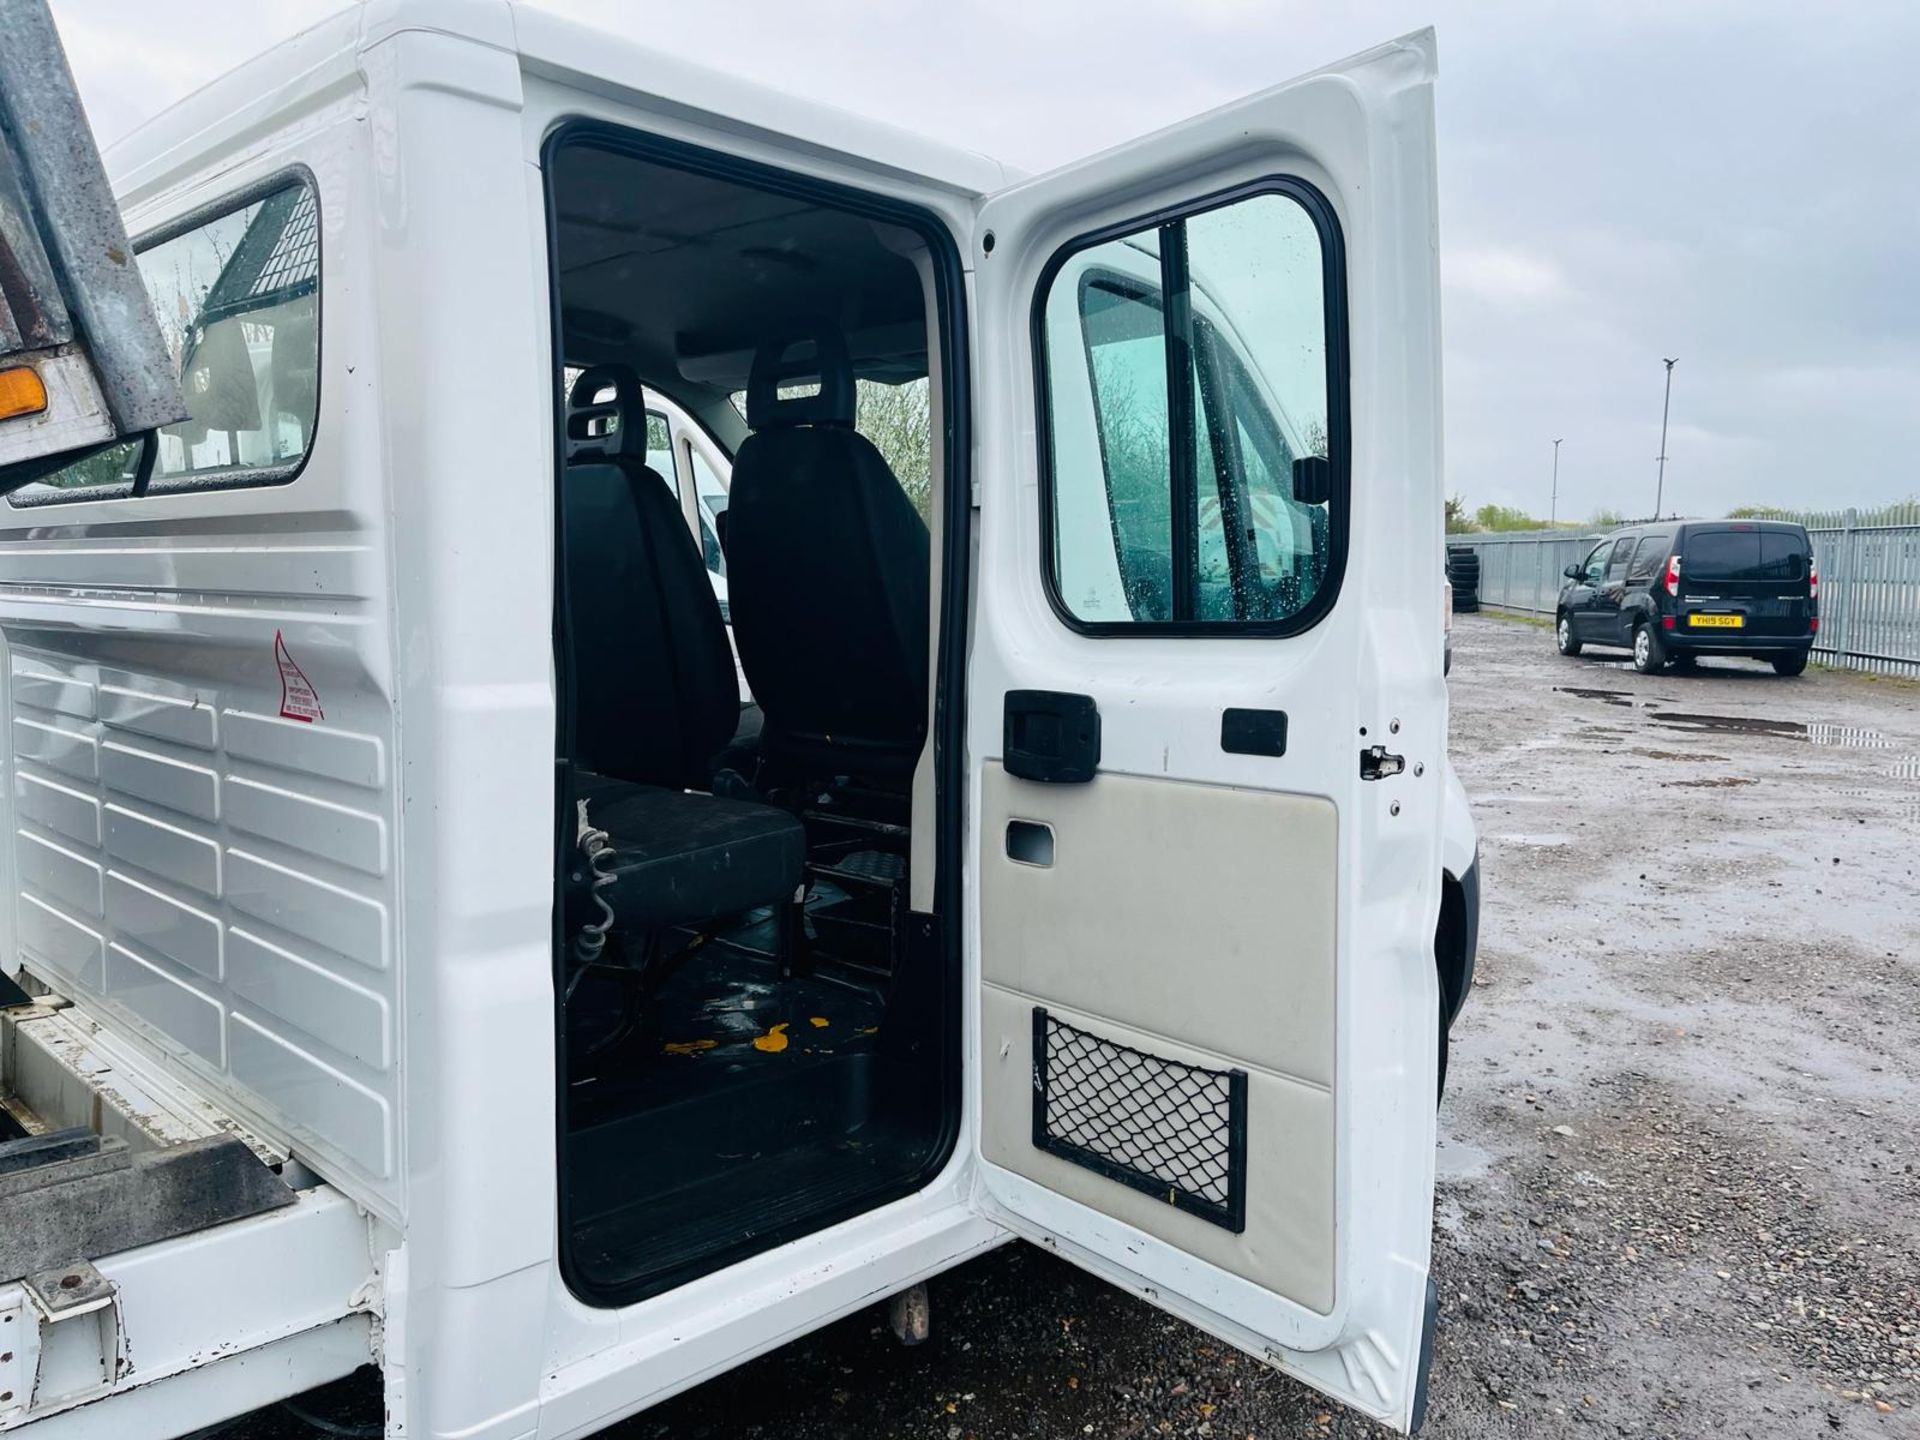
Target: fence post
1842	642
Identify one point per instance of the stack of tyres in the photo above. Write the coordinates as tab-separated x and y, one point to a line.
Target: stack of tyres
1463	573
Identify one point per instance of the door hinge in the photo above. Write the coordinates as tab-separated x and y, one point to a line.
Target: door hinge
1377	764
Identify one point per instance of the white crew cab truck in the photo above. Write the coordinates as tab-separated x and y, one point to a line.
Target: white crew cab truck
423	955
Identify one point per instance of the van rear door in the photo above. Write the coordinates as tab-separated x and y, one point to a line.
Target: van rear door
82	361
1207	721
1761	573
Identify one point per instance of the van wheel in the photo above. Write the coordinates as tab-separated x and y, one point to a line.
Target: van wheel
1790	664
1649	650
1563	635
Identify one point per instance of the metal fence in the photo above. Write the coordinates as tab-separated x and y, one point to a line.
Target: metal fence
1869	581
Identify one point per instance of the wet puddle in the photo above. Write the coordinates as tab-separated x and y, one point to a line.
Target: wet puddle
1818	732
1730	724
1624	699
1585	692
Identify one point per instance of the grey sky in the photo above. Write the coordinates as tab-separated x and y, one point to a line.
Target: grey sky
1729	181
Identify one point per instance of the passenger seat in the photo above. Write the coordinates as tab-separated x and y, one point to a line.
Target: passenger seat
827	573
654	695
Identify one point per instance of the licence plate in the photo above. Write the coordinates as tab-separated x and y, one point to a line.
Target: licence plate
1716	622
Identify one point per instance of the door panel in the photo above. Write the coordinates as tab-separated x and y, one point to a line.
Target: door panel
1583	601
1263	865
1209	481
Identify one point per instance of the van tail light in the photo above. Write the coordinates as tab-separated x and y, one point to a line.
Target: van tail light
1672	581
1813	579
1813	625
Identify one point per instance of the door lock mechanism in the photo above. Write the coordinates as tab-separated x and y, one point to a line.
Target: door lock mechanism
1377	764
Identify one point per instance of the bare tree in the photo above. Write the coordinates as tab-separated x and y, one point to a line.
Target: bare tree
898	419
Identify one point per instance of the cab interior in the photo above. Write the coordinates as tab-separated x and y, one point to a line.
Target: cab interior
754	961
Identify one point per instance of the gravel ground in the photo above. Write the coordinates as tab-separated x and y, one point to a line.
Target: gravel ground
1678	1188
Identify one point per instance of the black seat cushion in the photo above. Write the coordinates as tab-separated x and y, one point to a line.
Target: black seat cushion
685	859
828	575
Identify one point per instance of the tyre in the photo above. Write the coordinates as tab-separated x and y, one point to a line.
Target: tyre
1649	650
1791	664
1564	637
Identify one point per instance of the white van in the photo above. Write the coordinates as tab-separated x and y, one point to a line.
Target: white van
427	955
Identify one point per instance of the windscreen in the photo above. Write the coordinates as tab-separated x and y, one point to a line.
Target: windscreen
1751	555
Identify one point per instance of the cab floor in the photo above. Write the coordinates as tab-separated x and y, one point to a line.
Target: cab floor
743	1102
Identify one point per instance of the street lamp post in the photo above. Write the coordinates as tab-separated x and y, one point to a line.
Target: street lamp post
1666	407
1553	504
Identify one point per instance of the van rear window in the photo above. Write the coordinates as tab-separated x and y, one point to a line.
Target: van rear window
1745	555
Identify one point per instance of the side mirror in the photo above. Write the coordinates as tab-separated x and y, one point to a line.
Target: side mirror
1572	572
1312	480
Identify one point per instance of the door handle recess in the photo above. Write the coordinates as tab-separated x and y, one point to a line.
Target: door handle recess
1030	842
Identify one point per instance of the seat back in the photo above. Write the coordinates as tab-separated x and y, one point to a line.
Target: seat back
654	695
827	567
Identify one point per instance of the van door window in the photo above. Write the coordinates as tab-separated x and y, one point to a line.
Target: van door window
1617	566
1595	568
1783	555
1191	477
237	297
1747	554
660	450
1647	556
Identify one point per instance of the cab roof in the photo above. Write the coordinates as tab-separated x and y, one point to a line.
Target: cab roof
222	119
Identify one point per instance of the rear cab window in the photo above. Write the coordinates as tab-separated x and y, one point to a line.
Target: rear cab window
236	289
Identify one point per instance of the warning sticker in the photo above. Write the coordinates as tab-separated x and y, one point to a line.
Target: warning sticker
298	699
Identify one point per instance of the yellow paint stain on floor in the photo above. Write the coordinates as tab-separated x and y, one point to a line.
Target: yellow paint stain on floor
819	1022
774	1041
687	1047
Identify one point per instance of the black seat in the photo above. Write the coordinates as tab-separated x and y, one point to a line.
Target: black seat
683	858
655	697
827	569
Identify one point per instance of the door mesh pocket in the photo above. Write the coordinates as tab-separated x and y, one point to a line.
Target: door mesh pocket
1168	1129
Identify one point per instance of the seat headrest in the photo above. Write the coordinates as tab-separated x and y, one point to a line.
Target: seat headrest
807	353
605	429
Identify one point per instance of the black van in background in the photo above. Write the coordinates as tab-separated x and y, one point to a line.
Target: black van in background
1673	591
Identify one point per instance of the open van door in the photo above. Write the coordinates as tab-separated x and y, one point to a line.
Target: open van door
1208	722
82	360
